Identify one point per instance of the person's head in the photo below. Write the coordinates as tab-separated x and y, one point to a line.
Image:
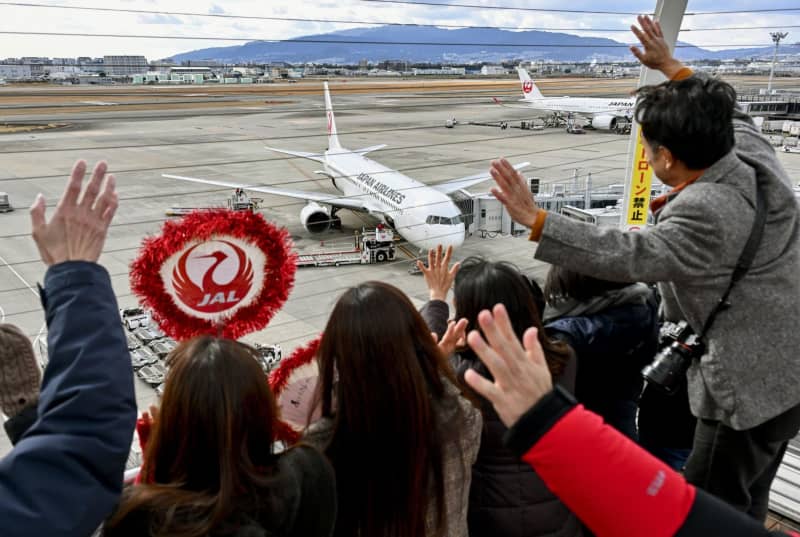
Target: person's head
211	441
19	373
480	284
686	126
562	283
381	374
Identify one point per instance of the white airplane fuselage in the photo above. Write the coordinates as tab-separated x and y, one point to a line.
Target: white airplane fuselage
590	106
422	215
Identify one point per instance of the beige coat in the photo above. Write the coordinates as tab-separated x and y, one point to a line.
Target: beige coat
459	457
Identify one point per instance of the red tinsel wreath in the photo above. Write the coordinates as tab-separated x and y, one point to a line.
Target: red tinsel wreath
204	225
279	378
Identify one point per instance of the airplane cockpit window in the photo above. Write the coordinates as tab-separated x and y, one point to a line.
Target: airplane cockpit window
444	220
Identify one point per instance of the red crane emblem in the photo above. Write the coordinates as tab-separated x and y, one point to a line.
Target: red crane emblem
211	296
527	86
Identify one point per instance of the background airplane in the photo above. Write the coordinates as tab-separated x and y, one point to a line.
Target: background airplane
424	215
604	114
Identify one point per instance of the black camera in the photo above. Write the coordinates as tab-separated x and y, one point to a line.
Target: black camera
678	346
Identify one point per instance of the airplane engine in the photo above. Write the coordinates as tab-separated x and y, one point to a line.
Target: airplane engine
604	123
316	218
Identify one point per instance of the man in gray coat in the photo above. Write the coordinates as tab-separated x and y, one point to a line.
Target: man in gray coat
745	388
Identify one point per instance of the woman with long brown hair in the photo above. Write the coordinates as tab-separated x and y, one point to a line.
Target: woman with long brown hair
507	498
209	466
394	425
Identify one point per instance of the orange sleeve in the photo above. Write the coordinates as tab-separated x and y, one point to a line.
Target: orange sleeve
538	226
684	73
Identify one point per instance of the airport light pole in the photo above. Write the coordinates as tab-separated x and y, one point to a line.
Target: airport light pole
776	38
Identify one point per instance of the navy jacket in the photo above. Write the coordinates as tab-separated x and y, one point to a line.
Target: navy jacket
64	476
612	347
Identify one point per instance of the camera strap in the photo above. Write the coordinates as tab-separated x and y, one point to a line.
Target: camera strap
746	259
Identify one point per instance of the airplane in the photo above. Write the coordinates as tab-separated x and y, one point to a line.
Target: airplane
424	215
604	114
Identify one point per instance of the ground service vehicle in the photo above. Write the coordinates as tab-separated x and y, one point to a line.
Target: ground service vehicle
370	247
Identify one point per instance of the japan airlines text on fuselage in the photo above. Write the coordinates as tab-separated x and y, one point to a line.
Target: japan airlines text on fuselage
422	215
580	105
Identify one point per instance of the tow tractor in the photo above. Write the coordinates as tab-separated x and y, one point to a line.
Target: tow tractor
5	205
369	247
238	201
575	125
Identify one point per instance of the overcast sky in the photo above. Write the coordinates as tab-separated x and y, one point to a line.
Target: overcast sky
15	18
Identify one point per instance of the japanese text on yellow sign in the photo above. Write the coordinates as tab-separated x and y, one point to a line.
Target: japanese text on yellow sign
639	188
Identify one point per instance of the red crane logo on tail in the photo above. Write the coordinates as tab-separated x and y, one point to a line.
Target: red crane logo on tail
527	86
209	295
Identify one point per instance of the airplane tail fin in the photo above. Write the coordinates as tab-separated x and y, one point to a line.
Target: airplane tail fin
529	90
333	138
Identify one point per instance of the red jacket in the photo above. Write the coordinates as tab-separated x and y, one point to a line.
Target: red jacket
615	487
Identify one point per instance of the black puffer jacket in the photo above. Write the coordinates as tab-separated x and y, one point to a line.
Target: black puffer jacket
507	498
301	503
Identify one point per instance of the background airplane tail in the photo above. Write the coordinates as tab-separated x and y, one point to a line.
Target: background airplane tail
529	90
333	138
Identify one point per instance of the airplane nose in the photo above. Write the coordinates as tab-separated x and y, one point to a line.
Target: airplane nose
455	239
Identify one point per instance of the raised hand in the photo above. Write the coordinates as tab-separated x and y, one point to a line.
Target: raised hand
513	192
521	376
77	231
656	54
439	276
453	338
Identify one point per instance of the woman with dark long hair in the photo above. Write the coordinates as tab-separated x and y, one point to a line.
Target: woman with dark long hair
400	436
507	497
209	466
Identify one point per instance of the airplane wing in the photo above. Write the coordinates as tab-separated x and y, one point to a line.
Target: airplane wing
311	156
449	187
319	197
370	149
521	106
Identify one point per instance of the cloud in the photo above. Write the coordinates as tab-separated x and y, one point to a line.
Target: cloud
216	10
158	18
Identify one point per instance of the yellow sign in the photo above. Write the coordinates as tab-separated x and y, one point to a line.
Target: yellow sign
639	188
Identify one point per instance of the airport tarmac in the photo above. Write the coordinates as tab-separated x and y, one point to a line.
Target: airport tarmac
228	144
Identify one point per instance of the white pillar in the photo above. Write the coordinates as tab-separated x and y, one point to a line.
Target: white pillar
638	175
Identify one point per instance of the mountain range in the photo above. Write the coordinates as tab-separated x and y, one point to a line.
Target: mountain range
422	44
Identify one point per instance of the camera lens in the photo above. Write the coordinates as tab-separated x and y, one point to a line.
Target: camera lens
669	367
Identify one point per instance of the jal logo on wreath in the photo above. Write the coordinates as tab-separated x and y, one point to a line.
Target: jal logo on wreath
527	86
214	278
